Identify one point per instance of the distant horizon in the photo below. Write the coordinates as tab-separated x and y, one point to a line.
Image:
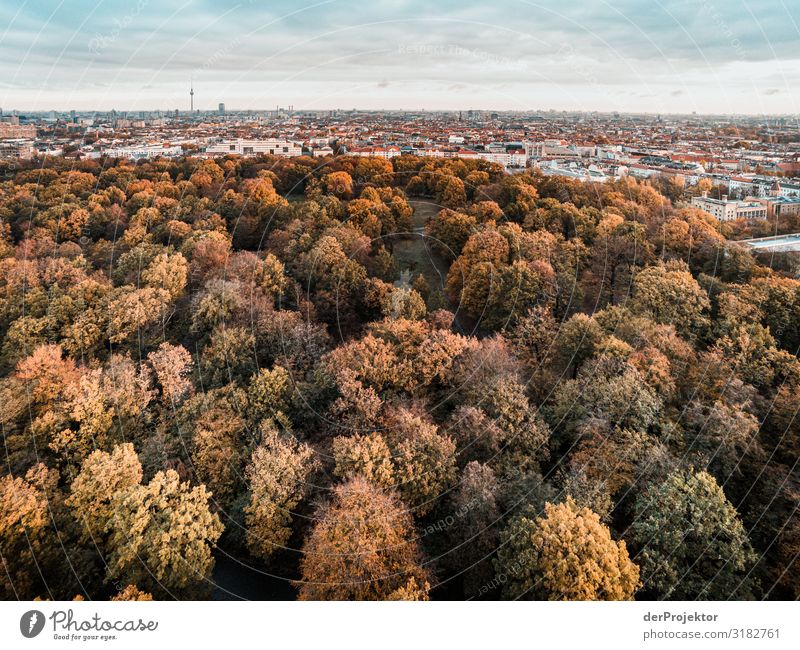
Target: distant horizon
184	111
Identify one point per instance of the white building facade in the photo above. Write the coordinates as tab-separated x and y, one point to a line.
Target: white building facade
725	209
284	148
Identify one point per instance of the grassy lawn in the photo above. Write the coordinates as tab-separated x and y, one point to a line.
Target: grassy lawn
413	253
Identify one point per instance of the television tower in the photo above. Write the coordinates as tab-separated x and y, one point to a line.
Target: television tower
191	96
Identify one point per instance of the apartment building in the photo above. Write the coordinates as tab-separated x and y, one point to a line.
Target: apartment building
779	206
376	152
726	209
17	150
763	186
141	152
11	130
273	147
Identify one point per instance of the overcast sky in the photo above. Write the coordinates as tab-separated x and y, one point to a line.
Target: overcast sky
709	56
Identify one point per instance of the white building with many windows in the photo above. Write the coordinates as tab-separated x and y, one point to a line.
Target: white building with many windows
375	152
726	209
140	152
242	147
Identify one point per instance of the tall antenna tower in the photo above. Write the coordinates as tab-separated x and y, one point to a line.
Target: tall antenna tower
191	95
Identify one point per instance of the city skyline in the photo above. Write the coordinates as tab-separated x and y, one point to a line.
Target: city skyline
233	110
674	57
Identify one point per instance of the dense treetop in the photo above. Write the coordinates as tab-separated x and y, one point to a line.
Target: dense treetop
376	379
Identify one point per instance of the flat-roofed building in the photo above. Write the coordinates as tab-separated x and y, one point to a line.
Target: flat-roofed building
139	152
17	149
726	209
16	131
273	147
778	206
375	152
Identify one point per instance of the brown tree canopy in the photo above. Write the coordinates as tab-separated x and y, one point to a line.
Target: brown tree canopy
195	351
565	555
279	477
363	547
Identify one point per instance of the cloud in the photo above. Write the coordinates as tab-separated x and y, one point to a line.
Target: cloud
146	50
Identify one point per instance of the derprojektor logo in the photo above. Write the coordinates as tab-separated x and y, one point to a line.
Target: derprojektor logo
31	623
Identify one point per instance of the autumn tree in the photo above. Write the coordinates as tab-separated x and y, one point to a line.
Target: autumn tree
229	356
162	534
133	311
103	477
410	455
358	407
449	231
424	459
477	436
367	456
106	406
173	366
619	248
278	477
533	339
485	211
452	192
47	375
691	542
613	460
669	294
777	300
565	555
269	393
362	548
339	184
722	434
610	389
218	303
403	302
25	531
217	449
132	593
168	272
